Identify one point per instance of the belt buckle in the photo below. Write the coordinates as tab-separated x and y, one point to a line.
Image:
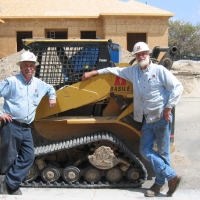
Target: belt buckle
22	124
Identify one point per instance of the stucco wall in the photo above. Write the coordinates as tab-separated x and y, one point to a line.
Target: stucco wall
115	28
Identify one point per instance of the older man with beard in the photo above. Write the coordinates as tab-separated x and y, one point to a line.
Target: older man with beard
156	92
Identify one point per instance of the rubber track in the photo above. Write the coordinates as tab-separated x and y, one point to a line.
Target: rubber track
95	137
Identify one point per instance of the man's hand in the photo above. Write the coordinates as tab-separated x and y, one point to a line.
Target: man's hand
88	75
52	103
167	113
6	117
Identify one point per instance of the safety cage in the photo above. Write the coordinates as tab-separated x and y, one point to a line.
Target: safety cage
63	62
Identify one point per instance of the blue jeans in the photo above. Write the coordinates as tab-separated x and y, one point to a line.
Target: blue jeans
160	160
17	153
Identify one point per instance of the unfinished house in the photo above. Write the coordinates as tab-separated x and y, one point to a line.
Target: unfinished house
124	21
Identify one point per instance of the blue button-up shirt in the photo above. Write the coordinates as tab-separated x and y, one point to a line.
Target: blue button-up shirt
154	89
21	98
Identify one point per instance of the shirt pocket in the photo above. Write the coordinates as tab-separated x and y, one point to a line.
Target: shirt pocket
36	99
153	84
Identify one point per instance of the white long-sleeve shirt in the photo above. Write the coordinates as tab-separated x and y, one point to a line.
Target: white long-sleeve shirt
154	89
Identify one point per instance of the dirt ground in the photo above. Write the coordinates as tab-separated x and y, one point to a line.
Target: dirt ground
188	72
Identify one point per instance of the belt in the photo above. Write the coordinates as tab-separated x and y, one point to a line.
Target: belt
20	124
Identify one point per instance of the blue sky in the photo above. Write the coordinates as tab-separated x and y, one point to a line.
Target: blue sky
186	10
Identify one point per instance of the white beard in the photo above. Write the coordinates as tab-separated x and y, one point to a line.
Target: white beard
143	63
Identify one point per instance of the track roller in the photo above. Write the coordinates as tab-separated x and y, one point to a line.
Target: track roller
50	174
114	175
133	174
71	174
32	173
92	174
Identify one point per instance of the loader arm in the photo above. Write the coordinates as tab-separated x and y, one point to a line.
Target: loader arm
78	94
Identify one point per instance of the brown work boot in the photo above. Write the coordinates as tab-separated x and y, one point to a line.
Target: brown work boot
3	188
154	190
173	185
